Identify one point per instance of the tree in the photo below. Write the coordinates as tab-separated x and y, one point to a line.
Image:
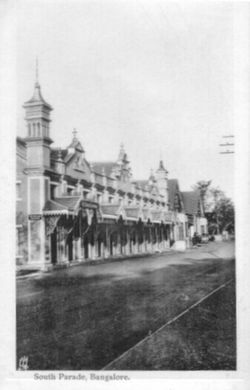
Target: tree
203	186
219	209
224	211
213	195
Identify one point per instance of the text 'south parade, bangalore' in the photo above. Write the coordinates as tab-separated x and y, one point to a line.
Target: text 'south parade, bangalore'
82	377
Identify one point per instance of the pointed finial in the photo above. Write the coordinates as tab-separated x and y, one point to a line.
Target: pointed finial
151	176
74	133
161	166
36	70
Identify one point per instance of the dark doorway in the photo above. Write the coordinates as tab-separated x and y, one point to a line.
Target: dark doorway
111	245
70	247
86	248
99	247
53	239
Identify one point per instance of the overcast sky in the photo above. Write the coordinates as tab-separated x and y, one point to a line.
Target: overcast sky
154	75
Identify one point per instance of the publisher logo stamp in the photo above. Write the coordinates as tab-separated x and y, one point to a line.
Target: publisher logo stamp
23	363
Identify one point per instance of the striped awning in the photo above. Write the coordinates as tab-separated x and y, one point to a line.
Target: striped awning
67	205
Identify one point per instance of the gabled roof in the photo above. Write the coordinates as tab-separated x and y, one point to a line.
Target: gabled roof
76	144
173	188
191	200
56	152
105	167
125	186
141	183
20	141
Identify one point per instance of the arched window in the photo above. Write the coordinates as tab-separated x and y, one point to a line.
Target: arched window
34	129
29	127
38	129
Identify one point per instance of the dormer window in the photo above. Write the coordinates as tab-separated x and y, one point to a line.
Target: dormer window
38	129
69	190
85	194
52	191
98	197
18	190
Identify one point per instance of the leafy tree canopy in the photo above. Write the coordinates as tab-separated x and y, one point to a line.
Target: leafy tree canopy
219	209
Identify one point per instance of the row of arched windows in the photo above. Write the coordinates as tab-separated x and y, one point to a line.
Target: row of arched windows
34	130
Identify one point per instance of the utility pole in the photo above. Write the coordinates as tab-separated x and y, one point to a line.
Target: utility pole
227	145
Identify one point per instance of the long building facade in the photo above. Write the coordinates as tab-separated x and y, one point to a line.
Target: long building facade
71	210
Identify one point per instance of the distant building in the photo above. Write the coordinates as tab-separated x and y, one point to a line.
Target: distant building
69	209
197	223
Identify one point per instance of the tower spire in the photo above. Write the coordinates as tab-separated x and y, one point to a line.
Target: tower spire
37	70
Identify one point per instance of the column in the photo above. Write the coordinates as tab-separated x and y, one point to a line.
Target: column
150	239
160	237
107	247
134	243
157	237
79	252
119	244
82	248
127	251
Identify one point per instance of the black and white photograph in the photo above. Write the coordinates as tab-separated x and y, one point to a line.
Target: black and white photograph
125	153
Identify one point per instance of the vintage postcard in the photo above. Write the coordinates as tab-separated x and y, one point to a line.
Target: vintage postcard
126	255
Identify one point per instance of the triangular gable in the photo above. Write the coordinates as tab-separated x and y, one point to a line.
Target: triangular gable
76	145
77	166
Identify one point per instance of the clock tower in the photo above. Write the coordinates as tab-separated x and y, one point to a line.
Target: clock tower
38	141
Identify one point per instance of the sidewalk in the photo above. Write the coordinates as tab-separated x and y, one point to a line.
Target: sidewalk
208	251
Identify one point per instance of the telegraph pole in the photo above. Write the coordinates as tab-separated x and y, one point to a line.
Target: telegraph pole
227	145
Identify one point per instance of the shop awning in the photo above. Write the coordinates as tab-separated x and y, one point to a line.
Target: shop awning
168	217
133	213
67	205
53	208
112	211
157	216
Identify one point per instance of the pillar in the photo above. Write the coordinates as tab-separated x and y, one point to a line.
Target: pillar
38	192
107	247
127	251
